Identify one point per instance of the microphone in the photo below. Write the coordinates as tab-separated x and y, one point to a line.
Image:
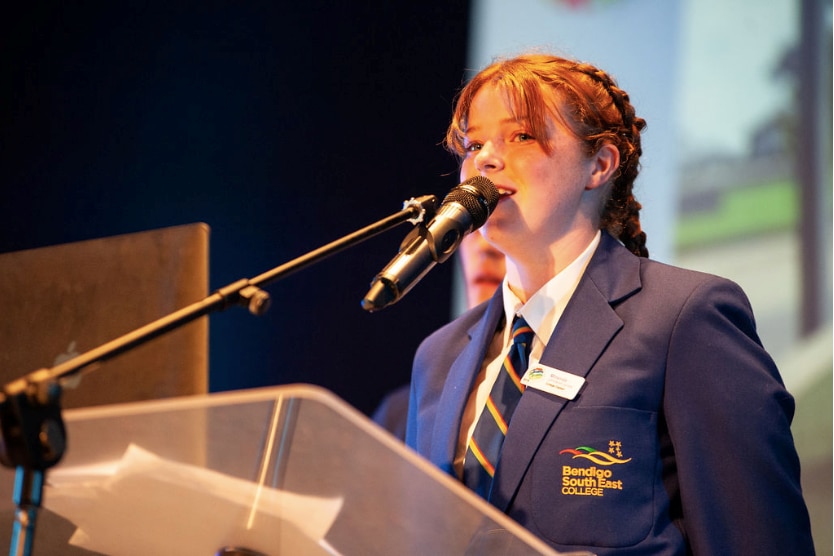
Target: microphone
463	210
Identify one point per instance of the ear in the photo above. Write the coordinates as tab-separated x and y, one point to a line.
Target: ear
605	163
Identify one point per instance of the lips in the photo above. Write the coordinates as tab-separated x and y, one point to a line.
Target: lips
504	192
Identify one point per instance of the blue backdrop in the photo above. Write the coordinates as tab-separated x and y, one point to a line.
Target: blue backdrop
282	126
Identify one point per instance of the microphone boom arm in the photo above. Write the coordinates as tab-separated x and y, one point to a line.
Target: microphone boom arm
32	432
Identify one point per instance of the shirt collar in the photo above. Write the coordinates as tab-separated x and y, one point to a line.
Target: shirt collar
544	308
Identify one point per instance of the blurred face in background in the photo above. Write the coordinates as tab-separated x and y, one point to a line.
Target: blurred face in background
483	268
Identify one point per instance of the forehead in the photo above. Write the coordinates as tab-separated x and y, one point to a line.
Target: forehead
493	102
541	109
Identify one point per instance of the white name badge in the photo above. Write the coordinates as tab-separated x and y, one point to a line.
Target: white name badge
554	381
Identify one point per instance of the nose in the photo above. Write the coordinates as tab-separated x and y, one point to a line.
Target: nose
489	158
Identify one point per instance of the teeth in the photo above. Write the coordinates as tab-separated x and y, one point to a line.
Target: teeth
502	191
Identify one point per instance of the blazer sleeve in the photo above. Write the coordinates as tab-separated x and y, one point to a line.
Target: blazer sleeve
728	416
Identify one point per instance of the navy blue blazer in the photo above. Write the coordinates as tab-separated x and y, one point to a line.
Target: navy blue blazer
679	441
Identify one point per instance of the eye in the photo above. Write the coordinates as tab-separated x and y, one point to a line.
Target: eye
471	147
524	137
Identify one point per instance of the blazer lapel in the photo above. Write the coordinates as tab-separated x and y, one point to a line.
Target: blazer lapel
583	332
459	385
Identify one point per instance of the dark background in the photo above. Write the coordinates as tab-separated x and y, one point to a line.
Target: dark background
284	126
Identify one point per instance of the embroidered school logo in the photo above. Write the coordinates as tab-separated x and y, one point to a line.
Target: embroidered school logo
615	448
593	481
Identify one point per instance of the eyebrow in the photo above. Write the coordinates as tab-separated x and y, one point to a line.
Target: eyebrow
505	121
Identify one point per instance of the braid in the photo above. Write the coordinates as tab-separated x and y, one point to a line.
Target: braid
621	215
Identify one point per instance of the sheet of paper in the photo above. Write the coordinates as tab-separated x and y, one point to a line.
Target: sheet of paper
144	504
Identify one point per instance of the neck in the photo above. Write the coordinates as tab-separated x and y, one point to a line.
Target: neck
526	274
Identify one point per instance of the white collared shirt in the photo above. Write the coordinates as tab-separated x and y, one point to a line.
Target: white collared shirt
542	312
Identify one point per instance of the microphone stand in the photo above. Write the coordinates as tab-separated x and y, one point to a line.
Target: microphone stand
32	432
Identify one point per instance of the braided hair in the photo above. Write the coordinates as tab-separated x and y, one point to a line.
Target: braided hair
593	107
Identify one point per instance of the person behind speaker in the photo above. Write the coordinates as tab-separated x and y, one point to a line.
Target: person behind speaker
482	267
653	421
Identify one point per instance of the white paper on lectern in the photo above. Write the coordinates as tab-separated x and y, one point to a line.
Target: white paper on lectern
144	503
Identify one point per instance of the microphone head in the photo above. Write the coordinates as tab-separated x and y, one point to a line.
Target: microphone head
478	195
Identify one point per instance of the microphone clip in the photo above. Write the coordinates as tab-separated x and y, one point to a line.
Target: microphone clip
423	208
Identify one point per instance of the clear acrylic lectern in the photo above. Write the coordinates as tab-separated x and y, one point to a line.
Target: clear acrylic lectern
281	470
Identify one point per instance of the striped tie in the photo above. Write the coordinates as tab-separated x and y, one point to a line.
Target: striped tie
485	445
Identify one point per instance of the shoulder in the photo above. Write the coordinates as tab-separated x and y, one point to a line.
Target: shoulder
694	289
620	275
684	280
